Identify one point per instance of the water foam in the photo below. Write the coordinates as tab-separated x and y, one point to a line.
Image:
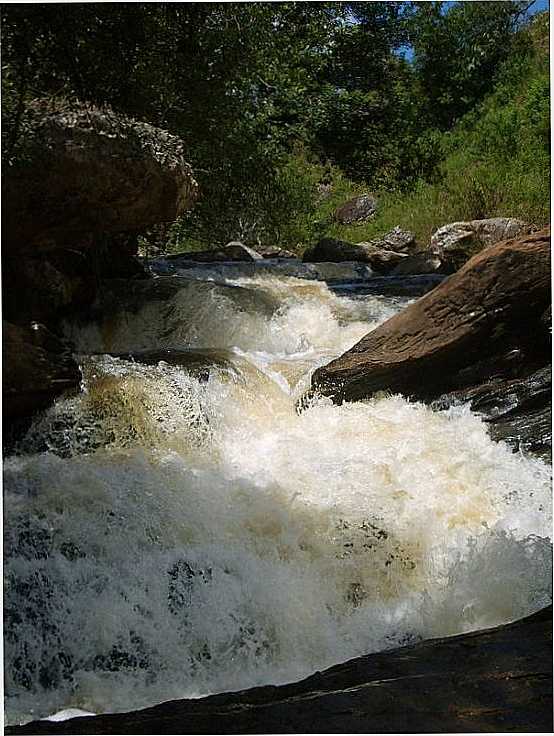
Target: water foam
171	535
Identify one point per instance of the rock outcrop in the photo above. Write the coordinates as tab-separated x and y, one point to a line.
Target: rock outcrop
463	332
457	242
37	366
357	209
494	680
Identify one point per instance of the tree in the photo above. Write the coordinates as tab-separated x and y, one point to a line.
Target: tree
458	49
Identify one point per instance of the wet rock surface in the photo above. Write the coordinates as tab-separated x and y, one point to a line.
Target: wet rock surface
494	680
517	411
490	308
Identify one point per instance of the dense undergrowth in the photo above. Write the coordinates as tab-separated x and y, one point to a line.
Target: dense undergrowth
495	162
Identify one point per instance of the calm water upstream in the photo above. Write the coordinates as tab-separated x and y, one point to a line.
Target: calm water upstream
179	529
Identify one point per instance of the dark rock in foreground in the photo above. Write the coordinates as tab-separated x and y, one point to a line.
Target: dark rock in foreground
458	335
517	411
494	680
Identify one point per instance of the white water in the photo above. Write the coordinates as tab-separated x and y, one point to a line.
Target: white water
172	535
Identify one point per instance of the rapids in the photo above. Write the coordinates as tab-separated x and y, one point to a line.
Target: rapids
179	528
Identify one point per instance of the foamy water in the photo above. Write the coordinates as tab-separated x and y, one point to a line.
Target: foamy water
173	534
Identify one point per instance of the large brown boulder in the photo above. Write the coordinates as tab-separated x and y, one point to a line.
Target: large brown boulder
457	242
37	366
459	334
81	170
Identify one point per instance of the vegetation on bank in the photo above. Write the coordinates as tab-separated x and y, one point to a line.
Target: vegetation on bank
494	163
289	108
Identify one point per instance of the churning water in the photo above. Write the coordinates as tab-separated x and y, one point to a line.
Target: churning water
178	528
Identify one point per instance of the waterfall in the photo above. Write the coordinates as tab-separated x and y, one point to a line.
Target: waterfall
179	528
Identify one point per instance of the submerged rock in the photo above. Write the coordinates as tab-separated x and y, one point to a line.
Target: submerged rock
494	680
491	307
457	242
357	209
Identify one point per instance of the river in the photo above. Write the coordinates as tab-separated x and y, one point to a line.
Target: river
182	527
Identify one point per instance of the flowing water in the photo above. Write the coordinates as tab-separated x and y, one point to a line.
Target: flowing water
179	528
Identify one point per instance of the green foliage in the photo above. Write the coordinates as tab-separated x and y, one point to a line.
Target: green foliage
458	50
289	108
496	160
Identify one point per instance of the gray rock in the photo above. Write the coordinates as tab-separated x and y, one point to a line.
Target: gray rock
457	242
418	263
397	240
276	252
237	251
357	209
337	251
